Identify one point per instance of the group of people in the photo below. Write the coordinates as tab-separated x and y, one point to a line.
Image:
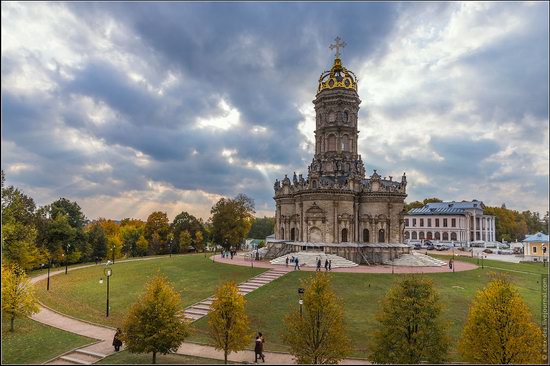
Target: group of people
294	260
328	264
229	253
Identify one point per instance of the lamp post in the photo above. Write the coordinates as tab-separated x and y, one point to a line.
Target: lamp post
66	257
301	301
107	271
482	261
453	260
170	248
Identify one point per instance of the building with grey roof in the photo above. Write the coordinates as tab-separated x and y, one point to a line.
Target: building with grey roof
462	222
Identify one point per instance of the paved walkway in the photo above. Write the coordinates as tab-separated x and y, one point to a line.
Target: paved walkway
92	353
240	260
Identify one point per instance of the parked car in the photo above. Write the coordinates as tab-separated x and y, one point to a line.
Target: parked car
430	247
418	246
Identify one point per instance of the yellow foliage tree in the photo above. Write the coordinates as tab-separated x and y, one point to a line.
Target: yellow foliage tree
228	323
153	324
18	298
318	335
499	328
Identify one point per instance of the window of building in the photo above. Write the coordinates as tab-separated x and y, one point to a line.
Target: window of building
331	143
344	235
444	222
345	143
381	237
413	236
453	222
534	249
437	236
429	222
421	222
407	235
453	236
366	235
445	236
414	222
406	222
421	235
293	234
282	233
436	222
429	235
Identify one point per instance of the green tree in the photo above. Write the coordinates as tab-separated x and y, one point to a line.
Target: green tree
411	205
185	241
142	246
18	298
232	220
262	227
65	207
97	240
198	241
130	235
156	232
59	236
228	324
431	200
500	327
153	324
410	328
318	336
184	221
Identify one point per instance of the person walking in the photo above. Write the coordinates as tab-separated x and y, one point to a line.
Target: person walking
286	260
330	265
326	264
259	348
117	343
296	264
318	264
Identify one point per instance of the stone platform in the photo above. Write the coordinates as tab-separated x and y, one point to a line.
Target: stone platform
309	259
416	260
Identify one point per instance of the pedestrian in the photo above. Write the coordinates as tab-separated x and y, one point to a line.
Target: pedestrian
296	264
318	264
231	254
286	260
451	263
326	264
96	260
259	348
116	340
330	265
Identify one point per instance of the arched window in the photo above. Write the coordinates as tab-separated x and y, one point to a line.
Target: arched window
331	143
314	184
345	143
292	234
413	235
437	236
453	236
421	235
344	235
429	235
381	238
445	236
282	233
407	235
366	235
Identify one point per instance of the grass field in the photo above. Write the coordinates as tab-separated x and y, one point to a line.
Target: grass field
361	294
35	343
126	358
79	293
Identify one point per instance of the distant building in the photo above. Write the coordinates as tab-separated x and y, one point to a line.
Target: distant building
535	247
462	222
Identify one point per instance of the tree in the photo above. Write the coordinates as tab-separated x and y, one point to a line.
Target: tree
130	235
262	227
185	222
232	220
97	240
414	204
156	231
317	336
431	200
198	242
499	328
141	246
185	241
18	298
410	328
71	209
228	324
153	323
59	235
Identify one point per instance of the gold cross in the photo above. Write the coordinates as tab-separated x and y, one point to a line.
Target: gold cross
339	44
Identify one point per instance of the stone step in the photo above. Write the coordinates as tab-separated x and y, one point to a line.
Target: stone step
74	360
195	311
91	353
259	282
201	306
83	357
60	361
247	286
193	317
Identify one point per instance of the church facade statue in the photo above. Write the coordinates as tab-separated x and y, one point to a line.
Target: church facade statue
337	203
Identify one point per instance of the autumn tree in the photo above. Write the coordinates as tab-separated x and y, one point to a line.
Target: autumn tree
198	241
185	241
232	220
141	246
130	235
228	324
18	298
184	221
318	335
410	326
156	231
153	324
499	328
97	240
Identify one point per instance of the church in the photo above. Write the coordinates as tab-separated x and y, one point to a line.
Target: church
336	205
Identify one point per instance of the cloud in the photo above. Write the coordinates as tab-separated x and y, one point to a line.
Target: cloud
134	107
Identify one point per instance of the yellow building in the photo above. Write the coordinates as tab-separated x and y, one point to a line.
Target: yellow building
535	247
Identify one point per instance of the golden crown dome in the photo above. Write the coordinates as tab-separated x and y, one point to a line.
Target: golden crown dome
338	76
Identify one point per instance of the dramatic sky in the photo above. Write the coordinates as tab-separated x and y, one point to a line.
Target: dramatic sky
129	108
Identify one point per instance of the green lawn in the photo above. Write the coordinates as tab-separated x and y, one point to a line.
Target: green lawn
79	293
532	267
35	343
361	294
127	358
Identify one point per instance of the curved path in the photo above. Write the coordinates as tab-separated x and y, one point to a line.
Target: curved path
242	261
104	336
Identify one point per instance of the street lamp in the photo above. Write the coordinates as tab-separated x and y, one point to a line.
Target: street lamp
66	255
107	271
453	260
301	301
